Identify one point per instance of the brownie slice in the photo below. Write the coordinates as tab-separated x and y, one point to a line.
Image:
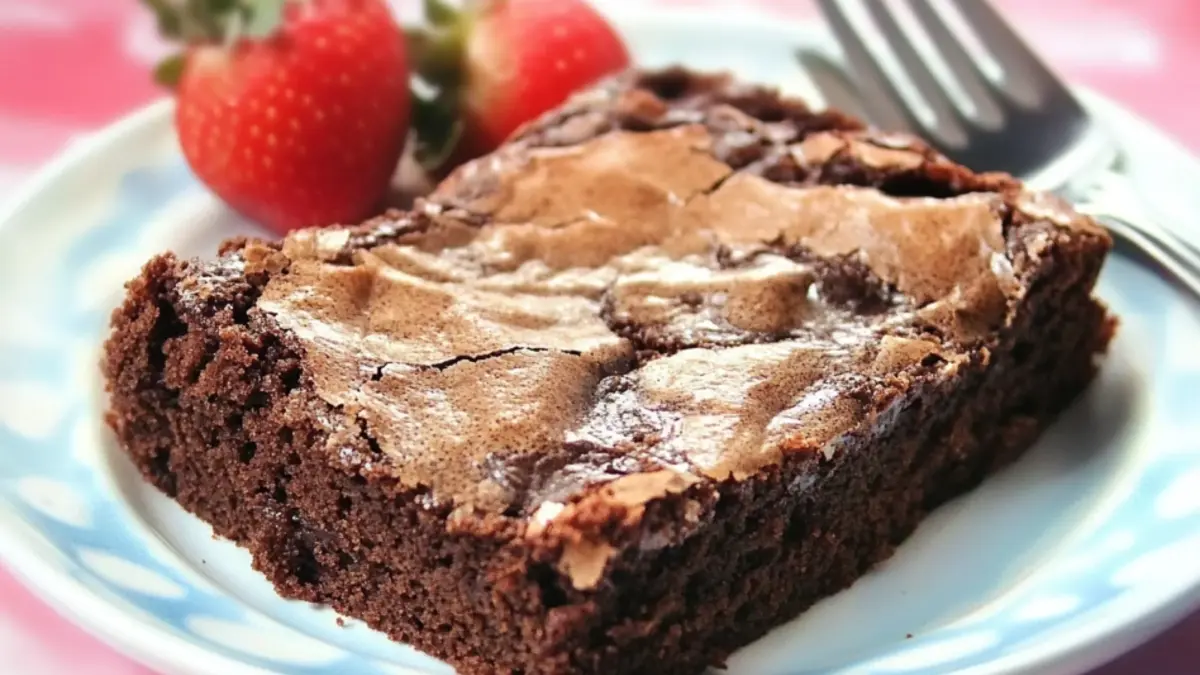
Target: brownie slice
681	359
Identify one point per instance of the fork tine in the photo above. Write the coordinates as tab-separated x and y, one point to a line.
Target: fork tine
833	82
965	67
885	105
949	121
1010	51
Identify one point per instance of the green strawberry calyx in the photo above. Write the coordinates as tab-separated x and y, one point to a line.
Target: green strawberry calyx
438	52
212	22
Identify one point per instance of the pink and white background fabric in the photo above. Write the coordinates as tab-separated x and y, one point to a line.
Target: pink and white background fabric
69	67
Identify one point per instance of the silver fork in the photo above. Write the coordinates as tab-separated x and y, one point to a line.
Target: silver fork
1024	122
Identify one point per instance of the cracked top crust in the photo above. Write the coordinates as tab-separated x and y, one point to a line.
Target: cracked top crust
673	275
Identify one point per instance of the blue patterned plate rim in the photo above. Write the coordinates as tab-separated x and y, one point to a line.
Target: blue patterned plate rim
37	553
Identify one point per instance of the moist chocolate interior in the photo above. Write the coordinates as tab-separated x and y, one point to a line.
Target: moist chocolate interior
644	298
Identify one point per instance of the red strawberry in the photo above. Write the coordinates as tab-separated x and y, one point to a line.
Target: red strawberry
300	118
501	63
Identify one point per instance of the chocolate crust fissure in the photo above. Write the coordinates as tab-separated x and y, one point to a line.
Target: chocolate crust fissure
851	386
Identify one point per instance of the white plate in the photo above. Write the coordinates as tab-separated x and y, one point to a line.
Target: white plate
1081	550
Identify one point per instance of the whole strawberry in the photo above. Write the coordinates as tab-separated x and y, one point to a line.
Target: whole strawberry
294	112
500	63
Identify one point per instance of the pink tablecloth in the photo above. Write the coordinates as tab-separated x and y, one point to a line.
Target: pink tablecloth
71	66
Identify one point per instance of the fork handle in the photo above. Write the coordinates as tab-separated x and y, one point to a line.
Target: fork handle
1113	201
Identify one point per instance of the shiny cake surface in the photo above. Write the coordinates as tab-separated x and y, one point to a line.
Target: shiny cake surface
642	309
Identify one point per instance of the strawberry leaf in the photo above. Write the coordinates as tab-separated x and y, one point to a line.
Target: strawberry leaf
437	55
204	20
166	14
440	12
436	128
169	70
195	21
265	16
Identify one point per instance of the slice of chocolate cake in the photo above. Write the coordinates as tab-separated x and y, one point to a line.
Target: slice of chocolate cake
681	359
